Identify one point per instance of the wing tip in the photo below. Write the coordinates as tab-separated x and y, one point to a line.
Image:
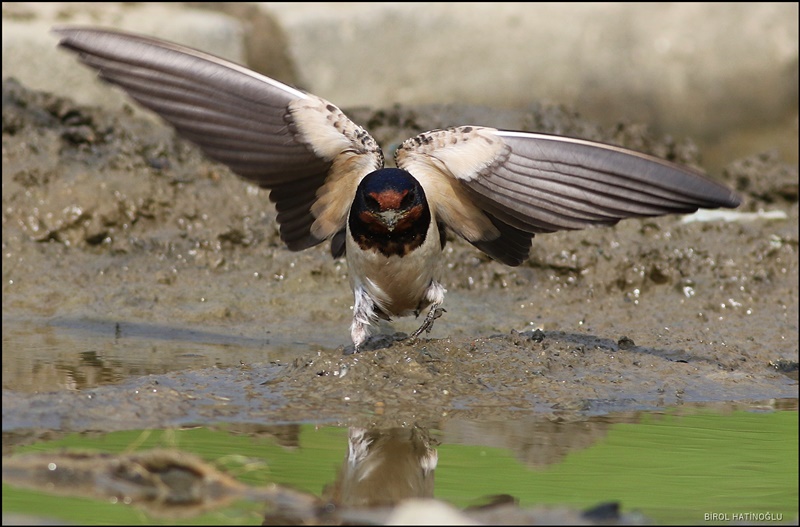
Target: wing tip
65	33
725	199
734	200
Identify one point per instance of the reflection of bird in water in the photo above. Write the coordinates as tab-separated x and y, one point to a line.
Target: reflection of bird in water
383	467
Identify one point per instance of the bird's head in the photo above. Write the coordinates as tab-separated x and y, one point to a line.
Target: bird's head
390	201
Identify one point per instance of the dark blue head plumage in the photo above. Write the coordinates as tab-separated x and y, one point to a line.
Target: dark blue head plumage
390	213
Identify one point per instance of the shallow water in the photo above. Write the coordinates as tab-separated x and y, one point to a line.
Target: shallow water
677	466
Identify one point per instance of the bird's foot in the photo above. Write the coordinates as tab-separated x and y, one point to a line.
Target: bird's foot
434	313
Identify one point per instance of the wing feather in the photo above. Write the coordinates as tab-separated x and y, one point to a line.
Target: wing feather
525	183
301	147
494	188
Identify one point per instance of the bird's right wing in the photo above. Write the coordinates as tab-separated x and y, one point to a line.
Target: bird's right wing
498	188
301	147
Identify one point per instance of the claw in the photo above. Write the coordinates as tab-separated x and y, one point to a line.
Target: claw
434	313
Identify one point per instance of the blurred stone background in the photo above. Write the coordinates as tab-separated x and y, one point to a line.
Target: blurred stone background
723	74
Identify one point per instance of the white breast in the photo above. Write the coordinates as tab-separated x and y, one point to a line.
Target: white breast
396	284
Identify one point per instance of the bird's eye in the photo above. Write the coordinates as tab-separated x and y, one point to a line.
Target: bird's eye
407	200
371	202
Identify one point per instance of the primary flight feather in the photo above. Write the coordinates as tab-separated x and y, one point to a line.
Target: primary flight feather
326	175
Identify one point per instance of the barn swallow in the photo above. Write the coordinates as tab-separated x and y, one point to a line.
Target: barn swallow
326	176
384	467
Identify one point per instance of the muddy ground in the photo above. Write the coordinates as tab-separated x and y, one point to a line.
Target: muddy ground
144	286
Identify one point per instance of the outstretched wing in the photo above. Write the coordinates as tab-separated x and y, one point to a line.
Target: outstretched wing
498	188
302	147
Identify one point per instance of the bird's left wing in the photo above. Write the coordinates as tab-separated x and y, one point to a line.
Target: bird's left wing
301	147
498	188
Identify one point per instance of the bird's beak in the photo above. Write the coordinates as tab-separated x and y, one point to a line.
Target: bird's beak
390	218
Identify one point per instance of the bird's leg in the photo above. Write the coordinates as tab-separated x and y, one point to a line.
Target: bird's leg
435	296
363	316
434	313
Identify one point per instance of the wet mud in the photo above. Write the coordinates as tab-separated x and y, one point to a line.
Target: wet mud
117	231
